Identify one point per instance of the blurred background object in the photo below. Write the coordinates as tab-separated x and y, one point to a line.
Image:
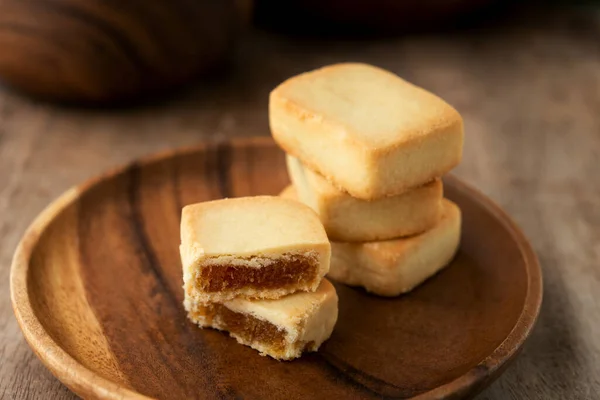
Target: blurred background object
109	51
376	16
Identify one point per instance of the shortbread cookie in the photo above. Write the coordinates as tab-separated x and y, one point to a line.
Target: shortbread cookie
282	328
256	247
392	267
349	219
365	129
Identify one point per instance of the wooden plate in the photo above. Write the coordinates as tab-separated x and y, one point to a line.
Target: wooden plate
96	287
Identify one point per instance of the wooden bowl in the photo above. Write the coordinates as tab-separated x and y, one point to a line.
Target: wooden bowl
106	51
96	287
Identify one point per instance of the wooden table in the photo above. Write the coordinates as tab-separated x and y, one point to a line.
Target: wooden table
529	90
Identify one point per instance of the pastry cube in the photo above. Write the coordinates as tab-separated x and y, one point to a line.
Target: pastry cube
281	328
255	247
393	267
366	130
349	219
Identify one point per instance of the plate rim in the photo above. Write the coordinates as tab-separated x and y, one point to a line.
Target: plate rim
82	380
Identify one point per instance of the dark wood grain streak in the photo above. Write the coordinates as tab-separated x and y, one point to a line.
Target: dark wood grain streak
138	221
134	278
137	224
140	273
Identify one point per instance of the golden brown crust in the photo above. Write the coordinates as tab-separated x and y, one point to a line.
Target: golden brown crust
350	220
393	267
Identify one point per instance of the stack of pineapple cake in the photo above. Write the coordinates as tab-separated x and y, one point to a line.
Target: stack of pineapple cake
254	267
366	151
